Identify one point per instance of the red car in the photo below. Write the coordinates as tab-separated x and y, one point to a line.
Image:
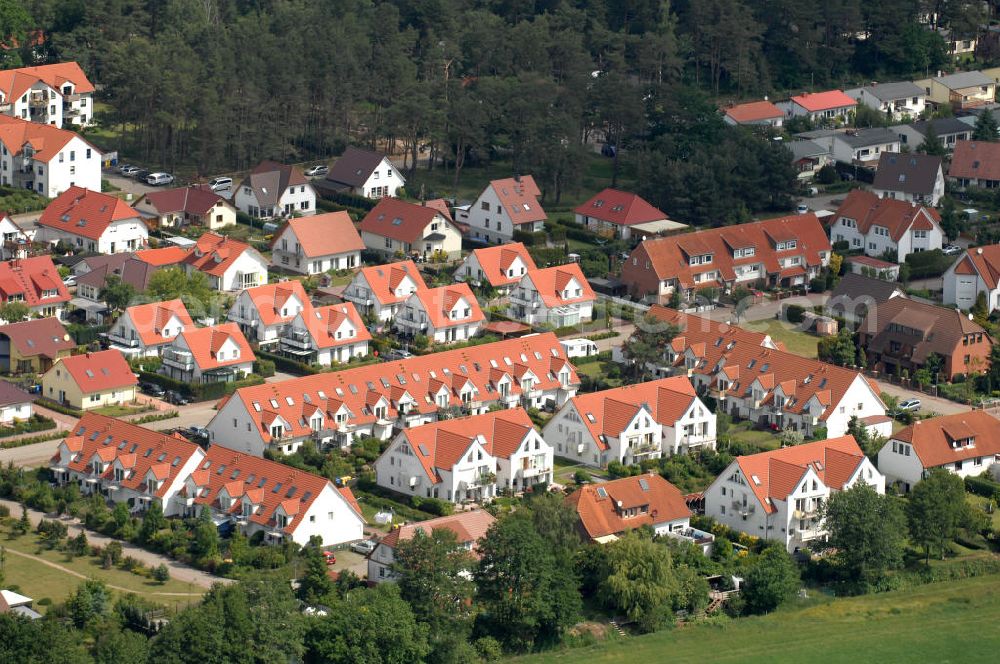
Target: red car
329	557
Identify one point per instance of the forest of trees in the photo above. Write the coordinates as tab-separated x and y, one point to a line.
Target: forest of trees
216	85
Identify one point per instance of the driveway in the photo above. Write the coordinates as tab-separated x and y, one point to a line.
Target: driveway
195	414
934	404
127	185
349	560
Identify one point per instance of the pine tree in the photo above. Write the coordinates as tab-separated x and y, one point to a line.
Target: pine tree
986	127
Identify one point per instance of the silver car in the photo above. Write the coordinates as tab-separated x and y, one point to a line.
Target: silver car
364	547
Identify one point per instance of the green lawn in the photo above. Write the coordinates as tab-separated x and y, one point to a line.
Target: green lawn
38	580
796	342
760	438
942	622
119	411
599	369
979	502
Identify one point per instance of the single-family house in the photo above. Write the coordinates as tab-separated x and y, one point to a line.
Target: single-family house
780	495
363	173
976	271
16	405
324	335
15	242
332	409
88	305
32	346
46	159
914	178
780	252
444	314
503	207
855	294
90	220
872	267
397	228
500	267
967	444
614	213
881	226
144	330
216	354
947	130
754	113
34	282
859	147
962	90
264	311
58	94
381	290
902	334
559	296
313	245
469	527
808	157
632	424
897	101
91	380
975	164
470	459
196	205
275	190
230	265
170	255
820	106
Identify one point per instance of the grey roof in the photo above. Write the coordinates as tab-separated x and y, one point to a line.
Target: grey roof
269	180
855	286
804	149
892	91
908	173
964	79
942	126
859	138
354	167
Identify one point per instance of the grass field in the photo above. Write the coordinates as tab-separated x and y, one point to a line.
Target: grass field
39	580
762	439
978	502
942	622
796	342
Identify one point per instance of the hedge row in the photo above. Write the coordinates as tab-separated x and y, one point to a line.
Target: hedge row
531	239
85	334
31	440
45	402
156	417
286	364
350	200
431	506
35	424
984	487
200	391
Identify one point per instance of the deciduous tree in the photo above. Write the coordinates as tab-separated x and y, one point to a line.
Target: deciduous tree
868	530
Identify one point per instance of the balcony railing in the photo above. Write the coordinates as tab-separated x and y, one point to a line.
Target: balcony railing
296	338
76	96
179	359
123	341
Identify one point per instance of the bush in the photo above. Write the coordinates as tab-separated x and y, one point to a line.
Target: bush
264	367
926	264
817	285
84	334
794	313
827	175
984	487
161	573
531	239
581	477
35	423
285	364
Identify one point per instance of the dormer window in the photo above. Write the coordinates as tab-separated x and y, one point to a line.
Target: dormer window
277	431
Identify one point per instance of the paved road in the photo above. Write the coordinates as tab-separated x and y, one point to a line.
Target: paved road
178	570
128	185
932	404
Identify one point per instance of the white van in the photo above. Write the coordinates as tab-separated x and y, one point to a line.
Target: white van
157	179
221	184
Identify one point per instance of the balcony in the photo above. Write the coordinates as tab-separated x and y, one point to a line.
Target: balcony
70	111
810	513
5	107
694	535
70	98
323	432
743	509
296	339
120	340
38	100
534	472
182	360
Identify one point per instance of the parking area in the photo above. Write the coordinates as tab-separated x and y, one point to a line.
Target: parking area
349	560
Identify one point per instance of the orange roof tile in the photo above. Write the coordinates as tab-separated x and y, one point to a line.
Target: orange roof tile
150	320
620	207
754	111
822	101
97	372
383	280
205	343
324	322
896	216
162	257
214	254
15	82
940	441
269	300
323	234
440	302
597	505
86	213
552	282
399	220
45	140
519	198
27	280
495	262
469	527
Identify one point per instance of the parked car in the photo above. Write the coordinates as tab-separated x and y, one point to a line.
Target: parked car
397	354
69	281
176	398
128	170
221	184
197	432
951	249
329	557
152	389
141	175
317	170
159	179
909	404
364	547
802	208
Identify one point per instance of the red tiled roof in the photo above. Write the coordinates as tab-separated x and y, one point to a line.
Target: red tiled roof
97	372
550	283
982	260
821	101
86	213
29	278
162	257
871	262
193	200
597	505
214	254
620	207
469	527
15	82
897	216
496	260
269	299
941	440
439	302
149	320
975	160
754	111
323	323
383	280
399	220
519	197
45	337
46	140
442	206
205	343
323	234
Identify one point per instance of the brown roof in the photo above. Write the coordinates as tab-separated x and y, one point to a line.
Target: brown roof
469	527
10	395
621	208
269	180
196	199
323	234
600	507
940	329
942	440
45	337
896	216
354	167
975	160
399	220
754	111
909	173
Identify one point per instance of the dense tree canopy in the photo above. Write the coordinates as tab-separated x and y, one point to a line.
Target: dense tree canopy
868	530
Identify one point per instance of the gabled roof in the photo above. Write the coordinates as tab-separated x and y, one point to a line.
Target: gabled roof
597	505
853	285
821	101
896	216
149	320
964	79
399	220
621	208
269	180
775	474
519	197
86	213
912	173
942	440
98	372
607	413
322	324
384	279
551	282
11	394
975	160
196	199
162	257
126	266
495	260
45	140
439	302
269	299
30	278
354	167
440	445
942	126
213	253
469	527
323	234
206	342
754	111
895	90
15	82
941	329
45	337
984	261
669	257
